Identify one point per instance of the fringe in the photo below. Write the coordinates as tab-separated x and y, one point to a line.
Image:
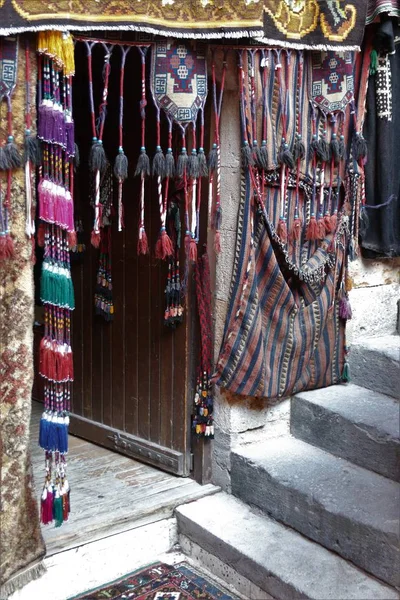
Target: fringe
296	46
22	578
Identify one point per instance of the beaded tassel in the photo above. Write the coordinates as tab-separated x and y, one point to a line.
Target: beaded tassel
143	164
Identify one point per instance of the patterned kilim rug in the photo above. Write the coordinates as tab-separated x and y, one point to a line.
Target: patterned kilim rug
160	582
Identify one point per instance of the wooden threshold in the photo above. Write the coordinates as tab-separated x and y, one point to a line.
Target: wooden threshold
110	493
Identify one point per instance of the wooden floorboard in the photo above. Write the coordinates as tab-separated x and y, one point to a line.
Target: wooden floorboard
110	493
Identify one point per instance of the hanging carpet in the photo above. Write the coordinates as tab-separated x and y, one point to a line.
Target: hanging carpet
297	225
301	24
21	543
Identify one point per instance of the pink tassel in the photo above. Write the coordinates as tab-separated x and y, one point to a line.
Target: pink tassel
217	242
312	229
164	247
321	229
282	230
193	251
6	247
95	239
143	245
33	254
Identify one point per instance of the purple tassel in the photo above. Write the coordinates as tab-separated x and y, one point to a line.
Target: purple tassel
345	309
70	140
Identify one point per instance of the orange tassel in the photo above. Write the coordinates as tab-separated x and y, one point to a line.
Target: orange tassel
328	223
296	230
164	247
321	229
217	242
143	245
193	251
95	239
72	239
312	229
282	230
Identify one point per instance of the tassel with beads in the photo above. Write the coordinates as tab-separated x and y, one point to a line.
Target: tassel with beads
143	164
182	165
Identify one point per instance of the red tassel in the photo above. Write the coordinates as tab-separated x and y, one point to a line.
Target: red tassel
312	229
43	357
33	255
40	235
282	230
164	247
72	240
328	223
193	251
65	504
143	245
321	229
333	222
52	363
95	239
296	230
217	242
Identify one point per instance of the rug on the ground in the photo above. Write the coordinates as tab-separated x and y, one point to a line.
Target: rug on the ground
160	582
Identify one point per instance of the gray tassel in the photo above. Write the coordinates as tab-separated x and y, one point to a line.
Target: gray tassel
313	146
97	157
364	222
169	164
143	164
247	156
181	167
32	149
360	146
12	153
334	148
213	158
285	156
323	150
263	155
121	165
159	163
4	166
203	169
193	165
299	150
342	148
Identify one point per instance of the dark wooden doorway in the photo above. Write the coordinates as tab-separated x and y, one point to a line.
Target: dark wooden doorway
132	389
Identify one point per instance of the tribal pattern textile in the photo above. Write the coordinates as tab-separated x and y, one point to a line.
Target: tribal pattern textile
314	24
160	581
21	543
298	218
378	7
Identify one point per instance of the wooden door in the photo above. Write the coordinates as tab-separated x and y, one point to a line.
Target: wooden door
132	389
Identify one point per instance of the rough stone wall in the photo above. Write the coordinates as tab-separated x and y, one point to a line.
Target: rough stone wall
239	420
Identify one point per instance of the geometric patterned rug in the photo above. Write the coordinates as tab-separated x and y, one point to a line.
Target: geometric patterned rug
159	582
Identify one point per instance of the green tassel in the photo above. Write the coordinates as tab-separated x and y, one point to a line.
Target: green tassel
58	511
346	373
373	64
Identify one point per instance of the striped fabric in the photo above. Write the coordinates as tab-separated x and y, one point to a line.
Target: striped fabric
377	7
283	333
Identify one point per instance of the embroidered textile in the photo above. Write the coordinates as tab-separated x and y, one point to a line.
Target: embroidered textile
21	543
314	24
159	582
285	327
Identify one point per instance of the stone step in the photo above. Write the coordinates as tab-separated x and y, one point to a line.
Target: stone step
280	561
341	506
352	422
375	364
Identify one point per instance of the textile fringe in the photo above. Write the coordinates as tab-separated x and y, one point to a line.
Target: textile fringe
22	578
295	46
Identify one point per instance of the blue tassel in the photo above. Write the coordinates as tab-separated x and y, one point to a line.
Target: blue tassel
43	432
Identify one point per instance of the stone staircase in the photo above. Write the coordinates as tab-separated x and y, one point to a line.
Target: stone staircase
315	514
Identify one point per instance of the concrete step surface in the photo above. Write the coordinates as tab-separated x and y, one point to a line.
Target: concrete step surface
375	364
280	561
352	422
345	508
